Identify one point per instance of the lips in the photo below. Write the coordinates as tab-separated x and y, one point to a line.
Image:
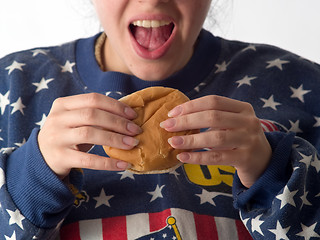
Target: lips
151	39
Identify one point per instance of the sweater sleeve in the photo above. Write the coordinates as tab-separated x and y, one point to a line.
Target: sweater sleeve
33	200
284	202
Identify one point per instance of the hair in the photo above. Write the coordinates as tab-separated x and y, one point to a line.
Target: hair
218	13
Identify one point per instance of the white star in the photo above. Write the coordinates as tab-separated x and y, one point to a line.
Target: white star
306	159
299	93
156	193
280	232
256	224
295	126
16	218
207	197
126	174
197	88
68	67
8	150
222	67
304	199
13	237
250	47
270	103
316	163
317	124
244	220
18	106
39	51
43	84
20	144
42	121
2	178
103	199
276	63
286	197
4	102
246	80
308	232
175	173
15	65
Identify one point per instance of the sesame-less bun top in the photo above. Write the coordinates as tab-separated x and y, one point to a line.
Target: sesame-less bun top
153	153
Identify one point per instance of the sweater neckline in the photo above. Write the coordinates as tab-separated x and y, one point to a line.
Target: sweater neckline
202	62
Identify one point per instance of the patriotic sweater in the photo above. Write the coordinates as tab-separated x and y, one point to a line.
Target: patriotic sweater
192	202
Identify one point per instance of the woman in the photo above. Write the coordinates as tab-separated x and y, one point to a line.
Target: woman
51	187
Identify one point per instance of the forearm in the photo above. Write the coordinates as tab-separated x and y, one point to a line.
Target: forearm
284	199
32	191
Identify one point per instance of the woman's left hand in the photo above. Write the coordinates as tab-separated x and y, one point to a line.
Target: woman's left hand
234	136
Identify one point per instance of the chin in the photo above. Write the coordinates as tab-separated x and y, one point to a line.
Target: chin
156	73
153	76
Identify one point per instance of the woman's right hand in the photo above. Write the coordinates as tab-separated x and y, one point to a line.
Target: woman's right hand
76	123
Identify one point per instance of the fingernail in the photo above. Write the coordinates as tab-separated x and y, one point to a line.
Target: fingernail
175	112
183	157
123	165
169	123
130	112
175	141
130	141
133	128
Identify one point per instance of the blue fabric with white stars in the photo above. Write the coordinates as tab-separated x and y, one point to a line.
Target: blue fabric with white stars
282	88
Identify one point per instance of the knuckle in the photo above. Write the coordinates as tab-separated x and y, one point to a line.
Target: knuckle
87	161
87	114
84	133
220	137
187	107
92	99
190	141
119	122
183	121
249	108
214	117
107	164
112	140
57	102
213	101
215	157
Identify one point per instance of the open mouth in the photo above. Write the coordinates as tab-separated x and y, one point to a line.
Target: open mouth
151	34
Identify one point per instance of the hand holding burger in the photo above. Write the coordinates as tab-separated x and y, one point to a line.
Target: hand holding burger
153	154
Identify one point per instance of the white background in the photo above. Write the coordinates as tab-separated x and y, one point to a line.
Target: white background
290	24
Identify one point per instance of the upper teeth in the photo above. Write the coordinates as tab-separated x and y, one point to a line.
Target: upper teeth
150	23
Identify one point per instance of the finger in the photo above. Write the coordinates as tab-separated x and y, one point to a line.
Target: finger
95	136
95	162
94	100
212	102
214	119
217	139
213	157
98	118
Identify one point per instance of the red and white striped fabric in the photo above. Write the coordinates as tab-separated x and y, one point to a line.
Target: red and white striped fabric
268	126
191	226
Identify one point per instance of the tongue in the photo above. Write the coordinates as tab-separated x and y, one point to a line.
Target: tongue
152	38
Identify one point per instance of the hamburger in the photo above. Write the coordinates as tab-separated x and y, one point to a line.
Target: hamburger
153	154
